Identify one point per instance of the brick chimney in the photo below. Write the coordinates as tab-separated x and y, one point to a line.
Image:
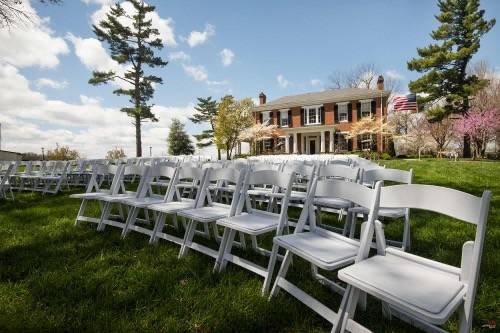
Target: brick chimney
380	82
262	98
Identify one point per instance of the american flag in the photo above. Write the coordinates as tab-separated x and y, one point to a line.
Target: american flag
405	103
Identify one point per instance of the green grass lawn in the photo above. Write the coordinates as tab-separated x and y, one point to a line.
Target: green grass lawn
58	277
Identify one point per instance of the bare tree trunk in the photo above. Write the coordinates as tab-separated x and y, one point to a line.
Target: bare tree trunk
218	154
138	141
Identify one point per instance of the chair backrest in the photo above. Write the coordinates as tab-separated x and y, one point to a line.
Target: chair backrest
456	204
265	166
281	181
223	177
193	176
339	171
393	175
163	174
301	170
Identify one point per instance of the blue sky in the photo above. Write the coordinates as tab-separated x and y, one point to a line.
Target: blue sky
279	47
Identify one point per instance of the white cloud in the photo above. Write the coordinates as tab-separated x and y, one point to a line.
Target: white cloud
30	121
315	82
49	83
198	73
200	37
283	83
180	56
227	57
394	74
31	44
164	25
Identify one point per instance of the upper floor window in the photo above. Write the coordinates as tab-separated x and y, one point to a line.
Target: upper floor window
284	118
366	108
266	117
343	110
312	115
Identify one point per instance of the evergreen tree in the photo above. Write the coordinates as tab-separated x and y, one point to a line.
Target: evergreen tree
178	140
445	62
132	41
207	112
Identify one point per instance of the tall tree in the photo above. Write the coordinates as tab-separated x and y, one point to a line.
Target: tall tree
178	140
232	118
462	24
206	112
132	41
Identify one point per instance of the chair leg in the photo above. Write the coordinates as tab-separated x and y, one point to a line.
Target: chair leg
340	314
132	215
104	216
270	269
188	238
158	227
222	247
81	211
406	235
227	249
255	246
464	320
243	243
350	309
282	273
347	223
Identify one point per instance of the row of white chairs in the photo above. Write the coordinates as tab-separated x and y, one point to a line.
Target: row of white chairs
418	290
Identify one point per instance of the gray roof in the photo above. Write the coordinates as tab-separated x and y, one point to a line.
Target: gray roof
322	97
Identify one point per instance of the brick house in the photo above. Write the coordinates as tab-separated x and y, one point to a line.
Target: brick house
318	122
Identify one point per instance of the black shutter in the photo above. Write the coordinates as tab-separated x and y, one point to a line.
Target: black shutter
374	108
349	112
336	114
322	112
374	142
349	144
358	108
278	122
360	146
290	118
302	116
261	117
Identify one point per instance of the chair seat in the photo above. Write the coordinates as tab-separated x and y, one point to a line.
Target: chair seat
254	224
90	195
332	202
428	292
172	207
382	211
326	252
141	202
117	197
206	214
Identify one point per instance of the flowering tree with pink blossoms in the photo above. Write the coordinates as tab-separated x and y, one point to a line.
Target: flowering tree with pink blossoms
482	128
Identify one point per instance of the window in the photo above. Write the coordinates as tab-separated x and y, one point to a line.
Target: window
341	144
281	144
366	141
312	115
268	144
266	117
342	109
284	118
366	109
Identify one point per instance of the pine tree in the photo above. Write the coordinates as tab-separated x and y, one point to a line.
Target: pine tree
207	112
132	41
178	140
445	62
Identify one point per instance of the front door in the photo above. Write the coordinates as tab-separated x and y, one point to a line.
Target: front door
312	146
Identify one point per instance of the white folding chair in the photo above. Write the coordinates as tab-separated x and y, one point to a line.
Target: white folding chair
176	202
418	290
370	177
127	172
5	186
254	222
320	247
95	190
211	212
336	205
147	198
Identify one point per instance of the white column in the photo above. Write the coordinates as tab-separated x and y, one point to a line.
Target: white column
332	148
287	144
295	144
322	145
